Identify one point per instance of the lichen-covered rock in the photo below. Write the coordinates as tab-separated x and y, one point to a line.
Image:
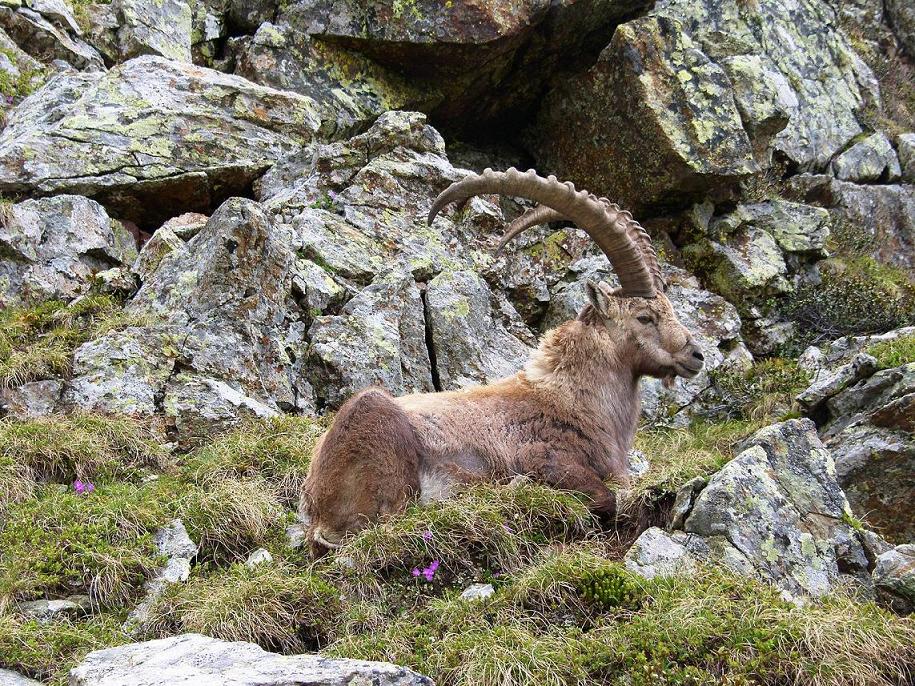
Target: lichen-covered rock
175	545
905	150
57	11
353	89
901	15
51	247
192	658
31	400
797	228
150	134
774	511
377	339
870	159
654	117
894	578
45	611
10	678
827	382
46	40
153	27
471	344
20	73
659	553
870	432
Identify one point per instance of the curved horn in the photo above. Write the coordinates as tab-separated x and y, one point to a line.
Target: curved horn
532	217
607	225
640	237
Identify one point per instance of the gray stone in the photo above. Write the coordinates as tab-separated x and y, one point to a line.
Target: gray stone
295	535
31	400
659	553
258	557
683	503
870	159
377	339
57	11
174	543
46	41
471	344
478	592
825	383
905	149
778	508
10	678
51	247
154	27
797	228
148	132
192	658
901	16
894	578
45	611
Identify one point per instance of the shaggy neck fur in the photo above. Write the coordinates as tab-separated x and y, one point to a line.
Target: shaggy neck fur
589	375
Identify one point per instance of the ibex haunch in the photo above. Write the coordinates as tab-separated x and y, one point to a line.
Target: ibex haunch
567	420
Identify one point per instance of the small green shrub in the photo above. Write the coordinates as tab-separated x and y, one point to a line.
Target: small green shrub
765	391
611	586
856	296
272	605
895	352
37	342
99	543
47	651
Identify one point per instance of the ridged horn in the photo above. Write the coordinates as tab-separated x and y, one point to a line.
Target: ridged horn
606	224
532	217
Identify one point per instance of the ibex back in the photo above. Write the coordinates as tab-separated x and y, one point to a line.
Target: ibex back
567	419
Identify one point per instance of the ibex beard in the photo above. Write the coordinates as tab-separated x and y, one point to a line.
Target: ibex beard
567	419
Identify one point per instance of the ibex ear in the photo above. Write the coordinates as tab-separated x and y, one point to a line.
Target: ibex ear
602	299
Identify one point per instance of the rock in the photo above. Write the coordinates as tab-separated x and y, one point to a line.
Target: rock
153	27
173	543
478	592
117	281
20	73
295	535
53	246
10	678
193	658
775	511
901	17
214	347
870	159
870	432
377	339
352	89
56	11
655	96
150	135
258	557
208	27
825	383
683	504
712	320
31	400
471	346
797	228
894	578
45	611
658	553
745	266
46	41
905	148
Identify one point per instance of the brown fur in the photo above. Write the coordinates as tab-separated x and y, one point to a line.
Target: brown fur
567	420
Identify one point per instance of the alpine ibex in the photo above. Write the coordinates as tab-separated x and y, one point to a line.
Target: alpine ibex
567	420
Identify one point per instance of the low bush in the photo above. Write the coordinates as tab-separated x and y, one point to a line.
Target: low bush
894	352
764	392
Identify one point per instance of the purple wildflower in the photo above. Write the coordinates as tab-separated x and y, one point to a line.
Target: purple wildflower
508	529
427	536
415	571
429	571
82	487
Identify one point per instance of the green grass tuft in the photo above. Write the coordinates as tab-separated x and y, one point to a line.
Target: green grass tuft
274	605
895	352
763	393
38	342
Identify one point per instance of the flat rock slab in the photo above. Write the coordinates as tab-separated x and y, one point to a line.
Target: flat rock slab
195	659
151	136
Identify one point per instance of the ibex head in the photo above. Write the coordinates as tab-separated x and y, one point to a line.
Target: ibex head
637	320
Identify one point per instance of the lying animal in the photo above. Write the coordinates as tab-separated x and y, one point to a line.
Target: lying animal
567	420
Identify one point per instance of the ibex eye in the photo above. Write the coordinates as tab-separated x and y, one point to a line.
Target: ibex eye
644	319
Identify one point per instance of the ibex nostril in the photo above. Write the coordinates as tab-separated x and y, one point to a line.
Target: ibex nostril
699	356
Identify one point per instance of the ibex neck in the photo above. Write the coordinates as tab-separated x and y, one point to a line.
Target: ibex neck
582	369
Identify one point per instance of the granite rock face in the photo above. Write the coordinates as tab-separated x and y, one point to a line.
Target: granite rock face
192	658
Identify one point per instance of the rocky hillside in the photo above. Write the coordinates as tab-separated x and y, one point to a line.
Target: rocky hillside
212	232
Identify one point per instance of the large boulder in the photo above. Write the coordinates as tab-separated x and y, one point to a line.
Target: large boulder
775	511
870	159
894	578
130	28
150	135
51	247
694	95
192	658
214	347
